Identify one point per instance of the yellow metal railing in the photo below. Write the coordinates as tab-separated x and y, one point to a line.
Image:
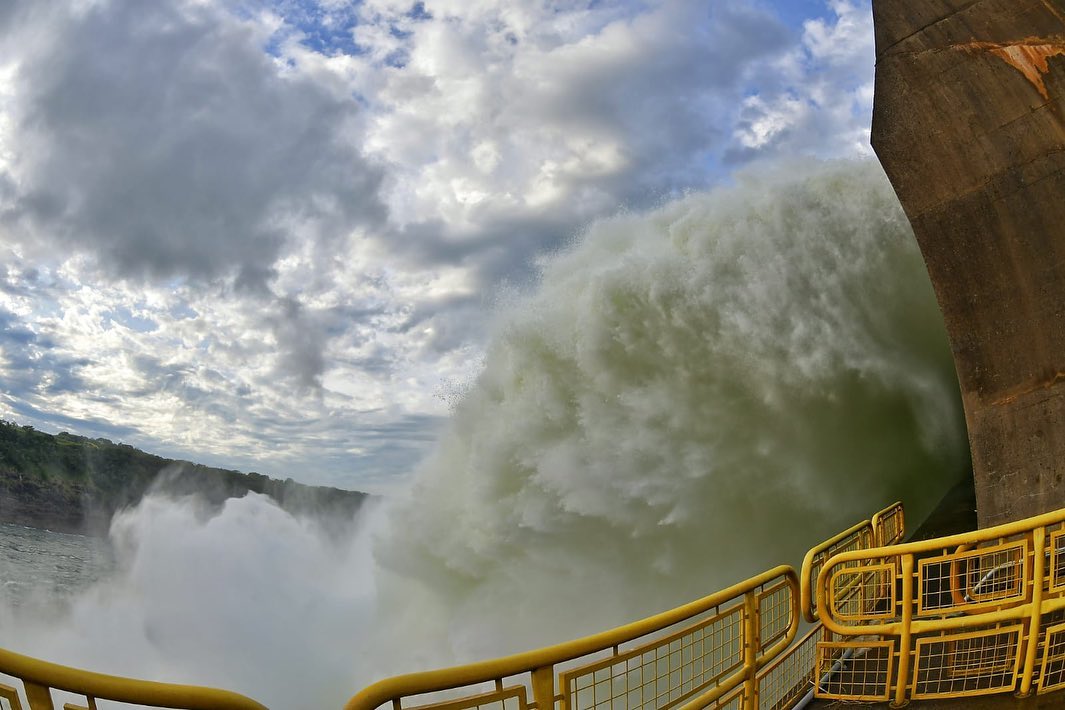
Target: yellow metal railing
889	525
40	678
857	537
970	614
690	657
886	527
787	679
732	649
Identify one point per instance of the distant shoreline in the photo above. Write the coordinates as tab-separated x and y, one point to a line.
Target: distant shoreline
73	484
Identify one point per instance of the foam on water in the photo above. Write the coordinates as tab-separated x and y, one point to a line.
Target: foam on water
691	395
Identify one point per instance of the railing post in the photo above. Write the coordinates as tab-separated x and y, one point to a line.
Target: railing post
543	687
904	637
1038	571
39	696
752	640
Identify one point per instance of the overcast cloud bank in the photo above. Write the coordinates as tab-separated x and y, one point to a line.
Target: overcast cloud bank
270	235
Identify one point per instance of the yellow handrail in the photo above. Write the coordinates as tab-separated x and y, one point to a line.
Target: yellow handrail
968	541
860	535
889	525
956	585
886	527
540	664
949	644
40	677
788	677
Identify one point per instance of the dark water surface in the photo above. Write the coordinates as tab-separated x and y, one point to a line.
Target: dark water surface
40	564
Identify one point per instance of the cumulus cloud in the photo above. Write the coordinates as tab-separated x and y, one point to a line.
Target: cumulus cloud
823	104
514	124
269	234
163	140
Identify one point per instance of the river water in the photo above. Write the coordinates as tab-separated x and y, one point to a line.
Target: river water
38	565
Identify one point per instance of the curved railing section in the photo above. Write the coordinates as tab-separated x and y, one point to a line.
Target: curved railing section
970	614
689	657
857	537
886	527
40	678
889	525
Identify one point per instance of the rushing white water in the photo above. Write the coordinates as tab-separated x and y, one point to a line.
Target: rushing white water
690	396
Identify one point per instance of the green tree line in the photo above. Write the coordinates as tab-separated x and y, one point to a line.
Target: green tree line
73	483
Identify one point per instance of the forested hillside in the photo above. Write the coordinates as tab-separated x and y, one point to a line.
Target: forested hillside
72	483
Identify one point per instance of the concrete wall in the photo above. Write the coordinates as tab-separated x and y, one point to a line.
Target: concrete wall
969	123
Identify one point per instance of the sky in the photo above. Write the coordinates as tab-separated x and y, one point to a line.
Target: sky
273	235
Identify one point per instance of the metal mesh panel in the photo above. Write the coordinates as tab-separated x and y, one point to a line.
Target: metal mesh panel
774	614
975	663
863	592
889	525
1052	672
1056	569
791	676
987	576
854	670
860	539
888	530
661	673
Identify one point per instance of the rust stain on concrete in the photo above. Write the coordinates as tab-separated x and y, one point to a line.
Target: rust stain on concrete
1046	383
1029	57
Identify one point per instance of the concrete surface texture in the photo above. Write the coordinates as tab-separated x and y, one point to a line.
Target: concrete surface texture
969	124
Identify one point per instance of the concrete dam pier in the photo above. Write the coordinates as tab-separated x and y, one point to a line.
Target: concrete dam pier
969	123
